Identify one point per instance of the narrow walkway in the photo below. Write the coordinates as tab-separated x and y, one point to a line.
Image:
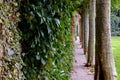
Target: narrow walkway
80	72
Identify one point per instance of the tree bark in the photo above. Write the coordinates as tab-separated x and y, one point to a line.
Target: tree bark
86	27
105	65
91	47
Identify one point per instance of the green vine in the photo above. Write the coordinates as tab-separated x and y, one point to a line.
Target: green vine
46	39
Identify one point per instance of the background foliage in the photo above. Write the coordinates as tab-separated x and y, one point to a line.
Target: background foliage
115	5
115	23
10	59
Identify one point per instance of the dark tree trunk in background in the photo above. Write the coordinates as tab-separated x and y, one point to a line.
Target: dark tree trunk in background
80	31
91	46
81	28
105	65
86	27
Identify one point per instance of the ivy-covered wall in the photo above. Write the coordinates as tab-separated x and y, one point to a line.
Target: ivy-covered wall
46	39
35	39
10	48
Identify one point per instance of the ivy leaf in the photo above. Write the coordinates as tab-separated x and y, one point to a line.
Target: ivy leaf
38	56
48	29
57	21
43	61
39	14
42	34
46	78
56	8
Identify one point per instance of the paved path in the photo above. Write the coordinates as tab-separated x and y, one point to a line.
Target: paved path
80	72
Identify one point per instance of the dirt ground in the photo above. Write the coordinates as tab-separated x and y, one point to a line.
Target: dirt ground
80	72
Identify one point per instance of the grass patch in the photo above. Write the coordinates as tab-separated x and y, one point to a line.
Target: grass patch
116	51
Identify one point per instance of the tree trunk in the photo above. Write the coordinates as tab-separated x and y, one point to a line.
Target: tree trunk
80	33
82	29
86	27
91	47
105	66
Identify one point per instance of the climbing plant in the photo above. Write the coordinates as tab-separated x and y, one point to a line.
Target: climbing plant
46	39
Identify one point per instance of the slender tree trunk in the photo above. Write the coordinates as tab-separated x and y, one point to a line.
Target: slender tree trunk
82	30
91	47
80	33
86	27
105	66
80	27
